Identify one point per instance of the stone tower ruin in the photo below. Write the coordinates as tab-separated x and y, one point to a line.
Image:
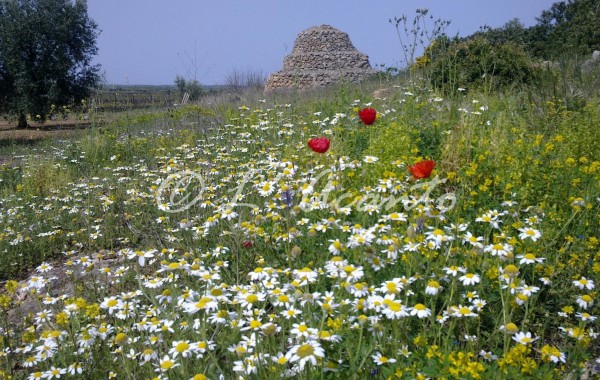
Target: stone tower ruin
322	55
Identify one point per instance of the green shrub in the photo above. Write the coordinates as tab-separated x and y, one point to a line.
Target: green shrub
477	63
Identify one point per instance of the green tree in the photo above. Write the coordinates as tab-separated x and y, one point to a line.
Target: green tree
512	31
46	52
567	28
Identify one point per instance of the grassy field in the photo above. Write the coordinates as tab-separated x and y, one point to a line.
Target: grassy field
210	241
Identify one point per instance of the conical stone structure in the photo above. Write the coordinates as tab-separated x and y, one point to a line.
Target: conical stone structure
322	55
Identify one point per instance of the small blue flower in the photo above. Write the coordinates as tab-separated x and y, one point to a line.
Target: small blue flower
288	198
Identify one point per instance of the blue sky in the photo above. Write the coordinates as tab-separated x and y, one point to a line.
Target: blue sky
152	41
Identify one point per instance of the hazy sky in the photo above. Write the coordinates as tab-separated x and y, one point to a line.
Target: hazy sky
152	41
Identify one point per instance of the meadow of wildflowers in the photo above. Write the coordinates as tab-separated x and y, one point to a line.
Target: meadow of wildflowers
292	240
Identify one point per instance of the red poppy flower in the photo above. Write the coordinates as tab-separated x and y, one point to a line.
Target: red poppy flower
247	244
367	115
422	169
319	144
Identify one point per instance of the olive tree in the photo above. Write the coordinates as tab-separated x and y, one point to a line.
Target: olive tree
46	52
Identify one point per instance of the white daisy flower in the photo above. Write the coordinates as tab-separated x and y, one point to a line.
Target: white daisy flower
470	279
529	233
421	311
380	359
307	352
584	283
524	338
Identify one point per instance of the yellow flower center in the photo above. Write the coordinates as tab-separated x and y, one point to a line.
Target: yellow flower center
282	360
395	306
167	364
120	337
511	328
182	347
305	350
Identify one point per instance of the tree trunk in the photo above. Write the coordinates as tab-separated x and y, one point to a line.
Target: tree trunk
22	121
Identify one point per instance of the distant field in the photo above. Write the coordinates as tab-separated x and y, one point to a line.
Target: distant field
102	106
112	98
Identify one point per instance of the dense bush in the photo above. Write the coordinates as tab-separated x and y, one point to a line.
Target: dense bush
477	62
